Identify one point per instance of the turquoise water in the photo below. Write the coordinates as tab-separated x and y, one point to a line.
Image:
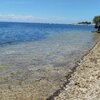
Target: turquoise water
24	45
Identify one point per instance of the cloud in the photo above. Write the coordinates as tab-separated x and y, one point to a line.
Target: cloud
16	18
20	18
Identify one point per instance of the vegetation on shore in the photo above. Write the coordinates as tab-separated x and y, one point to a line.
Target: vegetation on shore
84	22
96	20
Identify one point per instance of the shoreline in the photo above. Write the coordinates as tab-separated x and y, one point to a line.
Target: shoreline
21	85
69	86
38	89
70	74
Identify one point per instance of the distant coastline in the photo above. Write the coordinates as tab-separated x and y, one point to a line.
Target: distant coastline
85	23
79	23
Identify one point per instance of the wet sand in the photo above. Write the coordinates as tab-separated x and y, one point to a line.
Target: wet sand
84	83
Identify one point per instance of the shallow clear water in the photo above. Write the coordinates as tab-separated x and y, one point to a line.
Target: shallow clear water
41	55
24	45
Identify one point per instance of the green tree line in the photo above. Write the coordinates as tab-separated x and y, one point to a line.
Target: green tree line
96	20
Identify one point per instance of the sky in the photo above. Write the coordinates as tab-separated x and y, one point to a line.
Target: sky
49	11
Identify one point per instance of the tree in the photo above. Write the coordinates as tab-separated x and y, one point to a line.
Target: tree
96	20
85	22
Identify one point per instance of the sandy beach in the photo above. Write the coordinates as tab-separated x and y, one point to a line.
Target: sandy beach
84	83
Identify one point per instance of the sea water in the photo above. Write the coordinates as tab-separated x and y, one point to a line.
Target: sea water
43	51
25	44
